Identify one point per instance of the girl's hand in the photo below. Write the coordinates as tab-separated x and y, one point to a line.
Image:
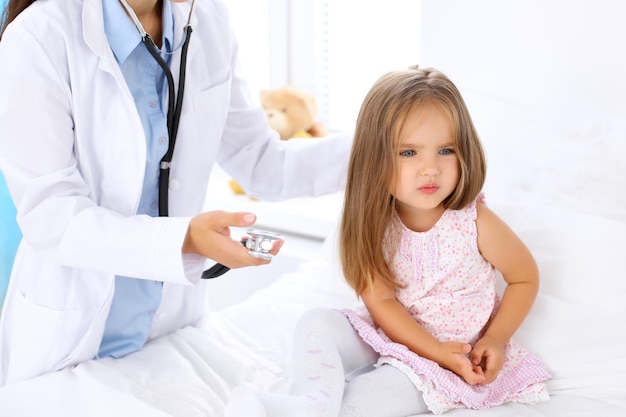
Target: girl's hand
453	356
488	354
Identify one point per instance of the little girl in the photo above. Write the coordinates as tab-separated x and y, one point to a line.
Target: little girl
421	249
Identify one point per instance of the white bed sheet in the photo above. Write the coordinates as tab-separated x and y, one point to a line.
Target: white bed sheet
190	372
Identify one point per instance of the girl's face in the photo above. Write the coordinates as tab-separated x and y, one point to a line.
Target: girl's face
427	166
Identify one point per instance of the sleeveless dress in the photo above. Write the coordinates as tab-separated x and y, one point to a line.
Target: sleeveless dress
450	289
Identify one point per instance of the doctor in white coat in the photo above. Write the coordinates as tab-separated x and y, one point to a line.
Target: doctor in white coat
74	151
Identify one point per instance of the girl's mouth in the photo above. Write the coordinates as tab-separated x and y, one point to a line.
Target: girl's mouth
429	189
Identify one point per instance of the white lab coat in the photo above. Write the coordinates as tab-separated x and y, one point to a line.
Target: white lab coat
72	149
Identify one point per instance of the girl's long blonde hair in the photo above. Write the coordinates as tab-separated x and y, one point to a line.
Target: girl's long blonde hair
368	204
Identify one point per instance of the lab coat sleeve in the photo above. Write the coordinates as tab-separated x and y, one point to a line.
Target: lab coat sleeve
269	168
57	210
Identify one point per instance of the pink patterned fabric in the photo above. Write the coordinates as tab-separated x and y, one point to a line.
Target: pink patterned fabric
450	291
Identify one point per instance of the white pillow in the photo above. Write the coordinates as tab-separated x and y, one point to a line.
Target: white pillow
558	178
573	157
578	323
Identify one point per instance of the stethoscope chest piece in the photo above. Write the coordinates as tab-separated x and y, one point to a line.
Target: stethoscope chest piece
260	243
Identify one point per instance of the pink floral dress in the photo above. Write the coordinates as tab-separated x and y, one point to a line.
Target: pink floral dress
450	290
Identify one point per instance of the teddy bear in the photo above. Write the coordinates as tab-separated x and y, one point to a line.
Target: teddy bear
292	113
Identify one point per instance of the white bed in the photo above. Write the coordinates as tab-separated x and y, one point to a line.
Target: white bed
556	148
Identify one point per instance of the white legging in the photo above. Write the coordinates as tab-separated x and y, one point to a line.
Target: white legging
333	376
332	362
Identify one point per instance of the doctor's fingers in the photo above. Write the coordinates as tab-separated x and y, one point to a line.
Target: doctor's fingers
203	227
231	253
276	246
221	221
260	255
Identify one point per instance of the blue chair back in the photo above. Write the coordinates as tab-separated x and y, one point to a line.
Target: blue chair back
10	237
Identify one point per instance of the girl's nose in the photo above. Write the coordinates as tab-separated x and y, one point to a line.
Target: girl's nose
428	166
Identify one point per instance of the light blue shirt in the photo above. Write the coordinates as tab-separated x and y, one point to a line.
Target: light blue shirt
136	300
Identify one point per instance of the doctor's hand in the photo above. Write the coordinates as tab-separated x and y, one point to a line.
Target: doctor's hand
208	235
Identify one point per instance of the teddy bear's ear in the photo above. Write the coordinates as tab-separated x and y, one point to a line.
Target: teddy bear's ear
310	103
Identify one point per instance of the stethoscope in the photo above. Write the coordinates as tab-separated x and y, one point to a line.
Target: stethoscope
175	104
259	242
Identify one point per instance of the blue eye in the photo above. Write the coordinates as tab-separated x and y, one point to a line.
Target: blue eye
408	152
446	151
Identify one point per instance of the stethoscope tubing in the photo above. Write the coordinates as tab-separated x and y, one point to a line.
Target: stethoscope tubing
175	105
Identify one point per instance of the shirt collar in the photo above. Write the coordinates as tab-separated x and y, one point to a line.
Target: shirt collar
122	34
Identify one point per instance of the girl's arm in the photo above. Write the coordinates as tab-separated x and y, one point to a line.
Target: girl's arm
397	323
501	247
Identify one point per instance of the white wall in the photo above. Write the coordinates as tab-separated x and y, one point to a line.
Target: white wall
253	29
543	53
367	38
334	49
